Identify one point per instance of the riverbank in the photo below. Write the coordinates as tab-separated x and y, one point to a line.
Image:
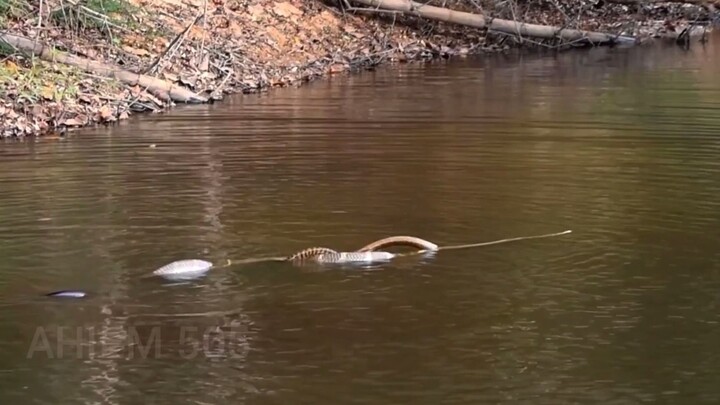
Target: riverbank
208	50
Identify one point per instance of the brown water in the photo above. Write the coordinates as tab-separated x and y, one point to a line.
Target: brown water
621	146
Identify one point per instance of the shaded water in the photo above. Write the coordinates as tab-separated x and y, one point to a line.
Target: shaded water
621	146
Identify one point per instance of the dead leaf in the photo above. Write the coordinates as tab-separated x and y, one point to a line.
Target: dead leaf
106	113
47	92
336	68
176	3
37	111
73	122
161	43
87	52
135	90
276	35
204	63
169	77
235	29
135	51
197	33
123	115
256	12
189	81
327	20
286	9
11	67
208	75
133	40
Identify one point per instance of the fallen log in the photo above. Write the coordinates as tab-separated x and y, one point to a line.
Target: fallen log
496	24
696	2
161	89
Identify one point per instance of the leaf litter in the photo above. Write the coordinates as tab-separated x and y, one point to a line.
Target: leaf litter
222	47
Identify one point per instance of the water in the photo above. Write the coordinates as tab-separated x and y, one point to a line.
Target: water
621	146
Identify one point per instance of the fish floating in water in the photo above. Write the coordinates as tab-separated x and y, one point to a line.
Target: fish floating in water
67	294
184	268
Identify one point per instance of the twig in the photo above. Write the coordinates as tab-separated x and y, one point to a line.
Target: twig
100	17
515	36
89	13
135	100
477	5
392	29
513	4
39	25
202	40
37	34
374	10
220	86
176	42
558	8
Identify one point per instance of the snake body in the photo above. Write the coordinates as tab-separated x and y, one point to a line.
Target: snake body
325	255
368	253
310	254
411	241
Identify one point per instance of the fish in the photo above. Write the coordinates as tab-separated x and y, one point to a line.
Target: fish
67	294
183	268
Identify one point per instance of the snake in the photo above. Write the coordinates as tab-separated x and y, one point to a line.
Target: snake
324	255
191	268
371	252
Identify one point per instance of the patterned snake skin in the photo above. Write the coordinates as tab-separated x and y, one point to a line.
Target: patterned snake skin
325	255
367	253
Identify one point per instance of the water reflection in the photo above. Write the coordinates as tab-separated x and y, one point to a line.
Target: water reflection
617	145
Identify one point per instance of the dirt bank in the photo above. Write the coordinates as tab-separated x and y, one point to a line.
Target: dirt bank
208	49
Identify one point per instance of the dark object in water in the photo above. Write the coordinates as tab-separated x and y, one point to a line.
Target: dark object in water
67	294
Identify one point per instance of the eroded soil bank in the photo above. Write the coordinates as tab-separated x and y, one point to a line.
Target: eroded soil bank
220	47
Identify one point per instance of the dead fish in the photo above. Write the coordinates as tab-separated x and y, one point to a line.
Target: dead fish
67	294
184	268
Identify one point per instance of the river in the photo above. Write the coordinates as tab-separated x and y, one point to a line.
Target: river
619	145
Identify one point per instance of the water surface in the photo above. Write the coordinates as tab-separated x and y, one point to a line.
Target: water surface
621	146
